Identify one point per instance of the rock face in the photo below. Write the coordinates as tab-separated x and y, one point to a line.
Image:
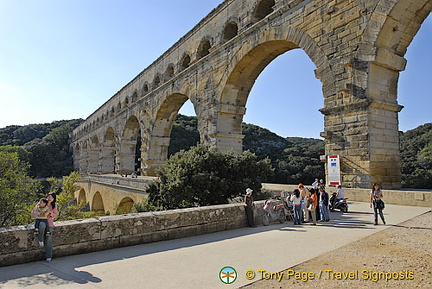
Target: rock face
356	46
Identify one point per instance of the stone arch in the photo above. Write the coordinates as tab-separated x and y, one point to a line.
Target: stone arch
159	139
203	48
169	72
230	31
145	88
83	161
108	161
262	9
97	204
76	156
129	149
134	97
383	59
125	206
93	159
185	61
156	81
82	196
245	70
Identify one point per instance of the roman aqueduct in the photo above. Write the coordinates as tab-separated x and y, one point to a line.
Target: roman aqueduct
358	49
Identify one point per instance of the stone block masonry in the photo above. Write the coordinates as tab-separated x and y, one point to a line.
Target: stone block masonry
19	245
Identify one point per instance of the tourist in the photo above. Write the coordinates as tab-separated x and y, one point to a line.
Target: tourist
296	200
323	205
40	211
249	206
52	198
315	184
304	194
377	203
340	195
312	205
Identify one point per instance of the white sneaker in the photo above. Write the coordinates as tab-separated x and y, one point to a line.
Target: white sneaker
48	259
41	244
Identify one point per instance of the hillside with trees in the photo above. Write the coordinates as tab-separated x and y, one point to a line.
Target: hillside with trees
48	146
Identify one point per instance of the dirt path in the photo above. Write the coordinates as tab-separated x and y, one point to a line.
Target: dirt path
402	252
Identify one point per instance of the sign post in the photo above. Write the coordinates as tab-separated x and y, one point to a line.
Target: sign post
333	168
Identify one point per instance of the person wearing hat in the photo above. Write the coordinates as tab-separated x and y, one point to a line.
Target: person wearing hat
249	206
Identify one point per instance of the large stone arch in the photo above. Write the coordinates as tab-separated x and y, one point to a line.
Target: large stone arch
108	156
93	157
160	133
366	131
129	149
83	159
247	64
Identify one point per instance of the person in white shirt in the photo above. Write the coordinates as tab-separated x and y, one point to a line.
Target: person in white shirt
296	200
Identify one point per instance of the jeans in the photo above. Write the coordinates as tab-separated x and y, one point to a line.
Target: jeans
297	215
324	212
48	238
41	229
376	211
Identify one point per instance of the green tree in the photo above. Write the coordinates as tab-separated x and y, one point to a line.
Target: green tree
204	176
52	155
17	190
416	157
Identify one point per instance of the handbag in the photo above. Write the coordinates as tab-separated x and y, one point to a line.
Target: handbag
311	207
381	205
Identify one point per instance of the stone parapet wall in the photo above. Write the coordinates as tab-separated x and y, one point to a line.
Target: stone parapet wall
19	245
421	198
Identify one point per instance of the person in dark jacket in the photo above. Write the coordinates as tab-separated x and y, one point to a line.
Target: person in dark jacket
323	205
249	206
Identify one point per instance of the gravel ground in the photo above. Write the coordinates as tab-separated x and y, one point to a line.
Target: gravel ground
402	254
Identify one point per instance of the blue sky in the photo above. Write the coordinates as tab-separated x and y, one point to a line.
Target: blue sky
62	59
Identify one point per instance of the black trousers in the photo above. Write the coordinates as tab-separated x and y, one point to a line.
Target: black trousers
250	216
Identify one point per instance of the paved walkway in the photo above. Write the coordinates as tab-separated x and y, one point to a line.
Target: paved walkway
195	262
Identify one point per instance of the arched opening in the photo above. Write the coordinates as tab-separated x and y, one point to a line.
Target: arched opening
204	48
184	133
134	97
156	81
414	93
108	162
230	31
82	196
145	88
286	99
185	61
414	82
97	203
130	149
391	43
83	161
125	206
280	92
161	132
264	8
94	155
169	73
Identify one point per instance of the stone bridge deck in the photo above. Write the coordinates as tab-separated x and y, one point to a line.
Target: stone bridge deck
195	262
